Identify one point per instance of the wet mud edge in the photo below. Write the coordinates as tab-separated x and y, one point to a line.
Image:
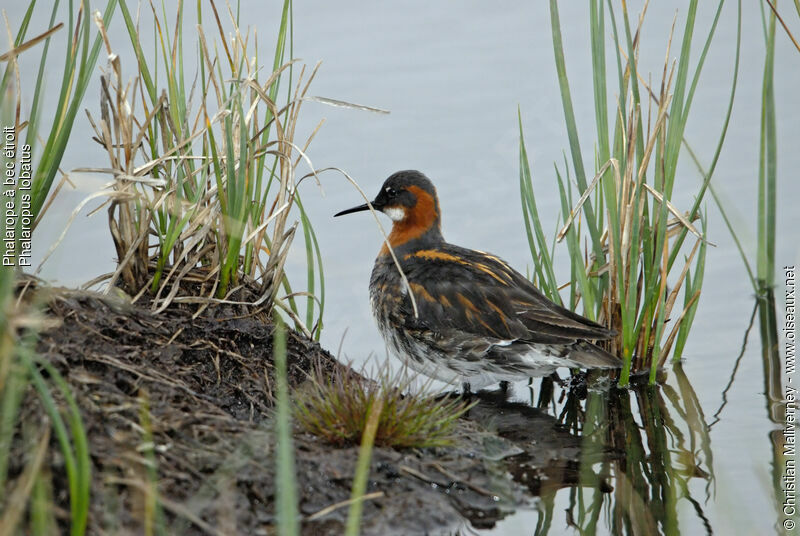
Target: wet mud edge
192	398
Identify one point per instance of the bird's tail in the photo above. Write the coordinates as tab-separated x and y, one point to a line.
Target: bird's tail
588	355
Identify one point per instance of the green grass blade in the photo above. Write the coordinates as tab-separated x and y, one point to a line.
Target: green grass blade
597	34
362	468
59	136
14	385
80	442
19	39
679	106
692	286
708	174
78	503
572	128
314	269
33	119
542	262
634	86
767	172
133	34
285	481
586	288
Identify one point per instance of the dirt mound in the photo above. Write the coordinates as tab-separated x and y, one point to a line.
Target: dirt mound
178	405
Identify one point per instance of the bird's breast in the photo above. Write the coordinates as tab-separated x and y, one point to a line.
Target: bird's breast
386	290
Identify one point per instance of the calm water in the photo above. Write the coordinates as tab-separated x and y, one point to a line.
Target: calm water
453	74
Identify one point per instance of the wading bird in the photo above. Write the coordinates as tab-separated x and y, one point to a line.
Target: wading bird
478	320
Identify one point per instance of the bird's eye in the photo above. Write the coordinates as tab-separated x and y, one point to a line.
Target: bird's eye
391	192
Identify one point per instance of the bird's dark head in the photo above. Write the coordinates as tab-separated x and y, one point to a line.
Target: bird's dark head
409	199
408	195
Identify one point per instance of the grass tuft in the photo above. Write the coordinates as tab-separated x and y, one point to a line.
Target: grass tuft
629	273
205	168
337	408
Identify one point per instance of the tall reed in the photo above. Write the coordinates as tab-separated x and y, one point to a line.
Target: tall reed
627	276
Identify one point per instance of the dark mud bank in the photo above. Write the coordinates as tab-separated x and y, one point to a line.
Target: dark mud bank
192	398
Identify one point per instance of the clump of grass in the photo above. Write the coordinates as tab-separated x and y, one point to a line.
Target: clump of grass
337	407
628	275
205	169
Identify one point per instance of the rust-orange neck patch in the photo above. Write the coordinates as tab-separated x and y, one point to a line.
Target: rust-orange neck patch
419	219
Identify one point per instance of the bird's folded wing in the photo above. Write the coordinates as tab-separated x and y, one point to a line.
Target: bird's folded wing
466	290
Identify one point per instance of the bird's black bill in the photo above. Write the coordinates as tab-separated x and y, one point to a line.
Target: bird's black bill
359	208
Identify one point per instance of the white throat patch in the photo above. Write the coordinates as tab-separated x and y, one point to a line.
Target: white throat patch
395	213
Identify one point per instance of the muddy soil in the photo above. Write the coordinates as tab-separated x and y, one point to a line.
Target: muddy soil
190	397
